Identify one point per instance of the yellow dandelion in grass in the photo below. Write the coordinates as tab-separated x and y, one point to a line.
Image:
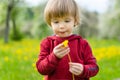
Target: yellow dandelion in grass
6	59
18	51
34	66
5	48
35	59
106	52
25	58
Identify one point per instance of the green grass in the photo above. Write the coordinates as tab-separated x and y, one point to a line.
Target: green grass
109	69
17	59
109	66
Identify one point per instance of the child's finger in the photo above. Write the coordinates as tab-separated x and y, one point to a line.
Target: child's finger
58	50
65	51
59	46
72	64
77	66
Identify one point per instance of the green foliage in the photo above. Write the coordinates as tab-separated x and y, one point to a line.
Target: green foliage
43	30
30	14
2	13
16	36
108	67
88	27
110	21
18	60
40	29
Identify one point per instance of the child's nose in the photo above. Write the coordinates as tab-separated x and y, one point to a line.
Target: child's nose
61	25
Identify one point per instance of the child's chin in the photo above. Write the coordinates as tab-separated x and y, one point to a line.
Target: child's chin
63	36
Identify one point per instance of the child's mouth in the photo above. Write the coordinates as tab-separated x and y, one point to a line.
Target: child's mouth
62	32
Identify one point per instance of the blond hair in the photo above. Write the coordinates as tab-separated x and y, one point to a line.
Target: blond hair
61	8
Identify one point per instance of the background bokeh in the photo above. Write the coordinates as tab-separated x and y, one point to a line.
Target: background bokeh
22	27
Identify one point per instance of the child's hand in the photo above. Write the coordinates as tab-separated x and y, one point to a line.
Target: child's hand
60	51
76	68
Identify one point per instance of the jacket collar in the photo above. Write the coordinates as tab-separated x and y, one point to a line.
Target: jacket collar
71	37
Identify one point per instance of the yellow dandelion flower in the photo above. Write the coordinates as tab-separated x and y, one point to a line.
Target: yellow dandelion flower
25	58
65	43
33	65
18	51
6	59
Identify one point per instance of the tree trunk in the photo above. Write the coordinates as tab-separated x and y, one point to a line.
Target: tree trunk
14	26
9	9
7	26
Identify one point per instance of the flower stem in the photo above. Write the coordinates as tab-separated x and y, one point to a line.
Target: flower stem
71	61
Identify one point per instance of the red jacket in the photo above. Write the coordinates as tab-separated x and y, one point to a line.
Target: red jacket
58	69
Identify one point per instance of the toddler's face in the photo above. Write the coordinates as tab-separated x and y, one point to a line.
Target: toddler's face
63	26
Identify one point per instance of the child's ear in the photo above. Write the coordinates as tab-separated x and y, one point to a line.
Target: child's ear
75	24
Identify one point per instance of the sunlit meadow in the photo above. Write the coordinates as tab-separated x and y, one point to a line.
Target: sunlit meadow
17	59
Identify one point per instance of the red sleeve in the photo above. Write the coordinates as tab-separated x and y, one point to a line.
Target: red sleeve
90	65
47	61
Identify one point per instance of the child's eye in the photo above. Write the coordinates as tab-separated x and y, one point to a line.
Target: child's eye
67	21
56	22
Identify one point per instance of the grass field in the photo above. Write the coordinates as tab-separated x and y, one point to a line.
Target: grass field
17	59
107	53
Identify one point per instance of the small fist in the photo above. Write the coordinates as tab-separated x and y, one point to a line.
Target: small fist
76	68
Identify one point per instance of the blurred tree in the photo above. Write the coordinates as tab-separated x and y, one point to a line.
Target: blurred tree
2	13
88	27
23	18
2	18
40	28
110	21
9	9
12	14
